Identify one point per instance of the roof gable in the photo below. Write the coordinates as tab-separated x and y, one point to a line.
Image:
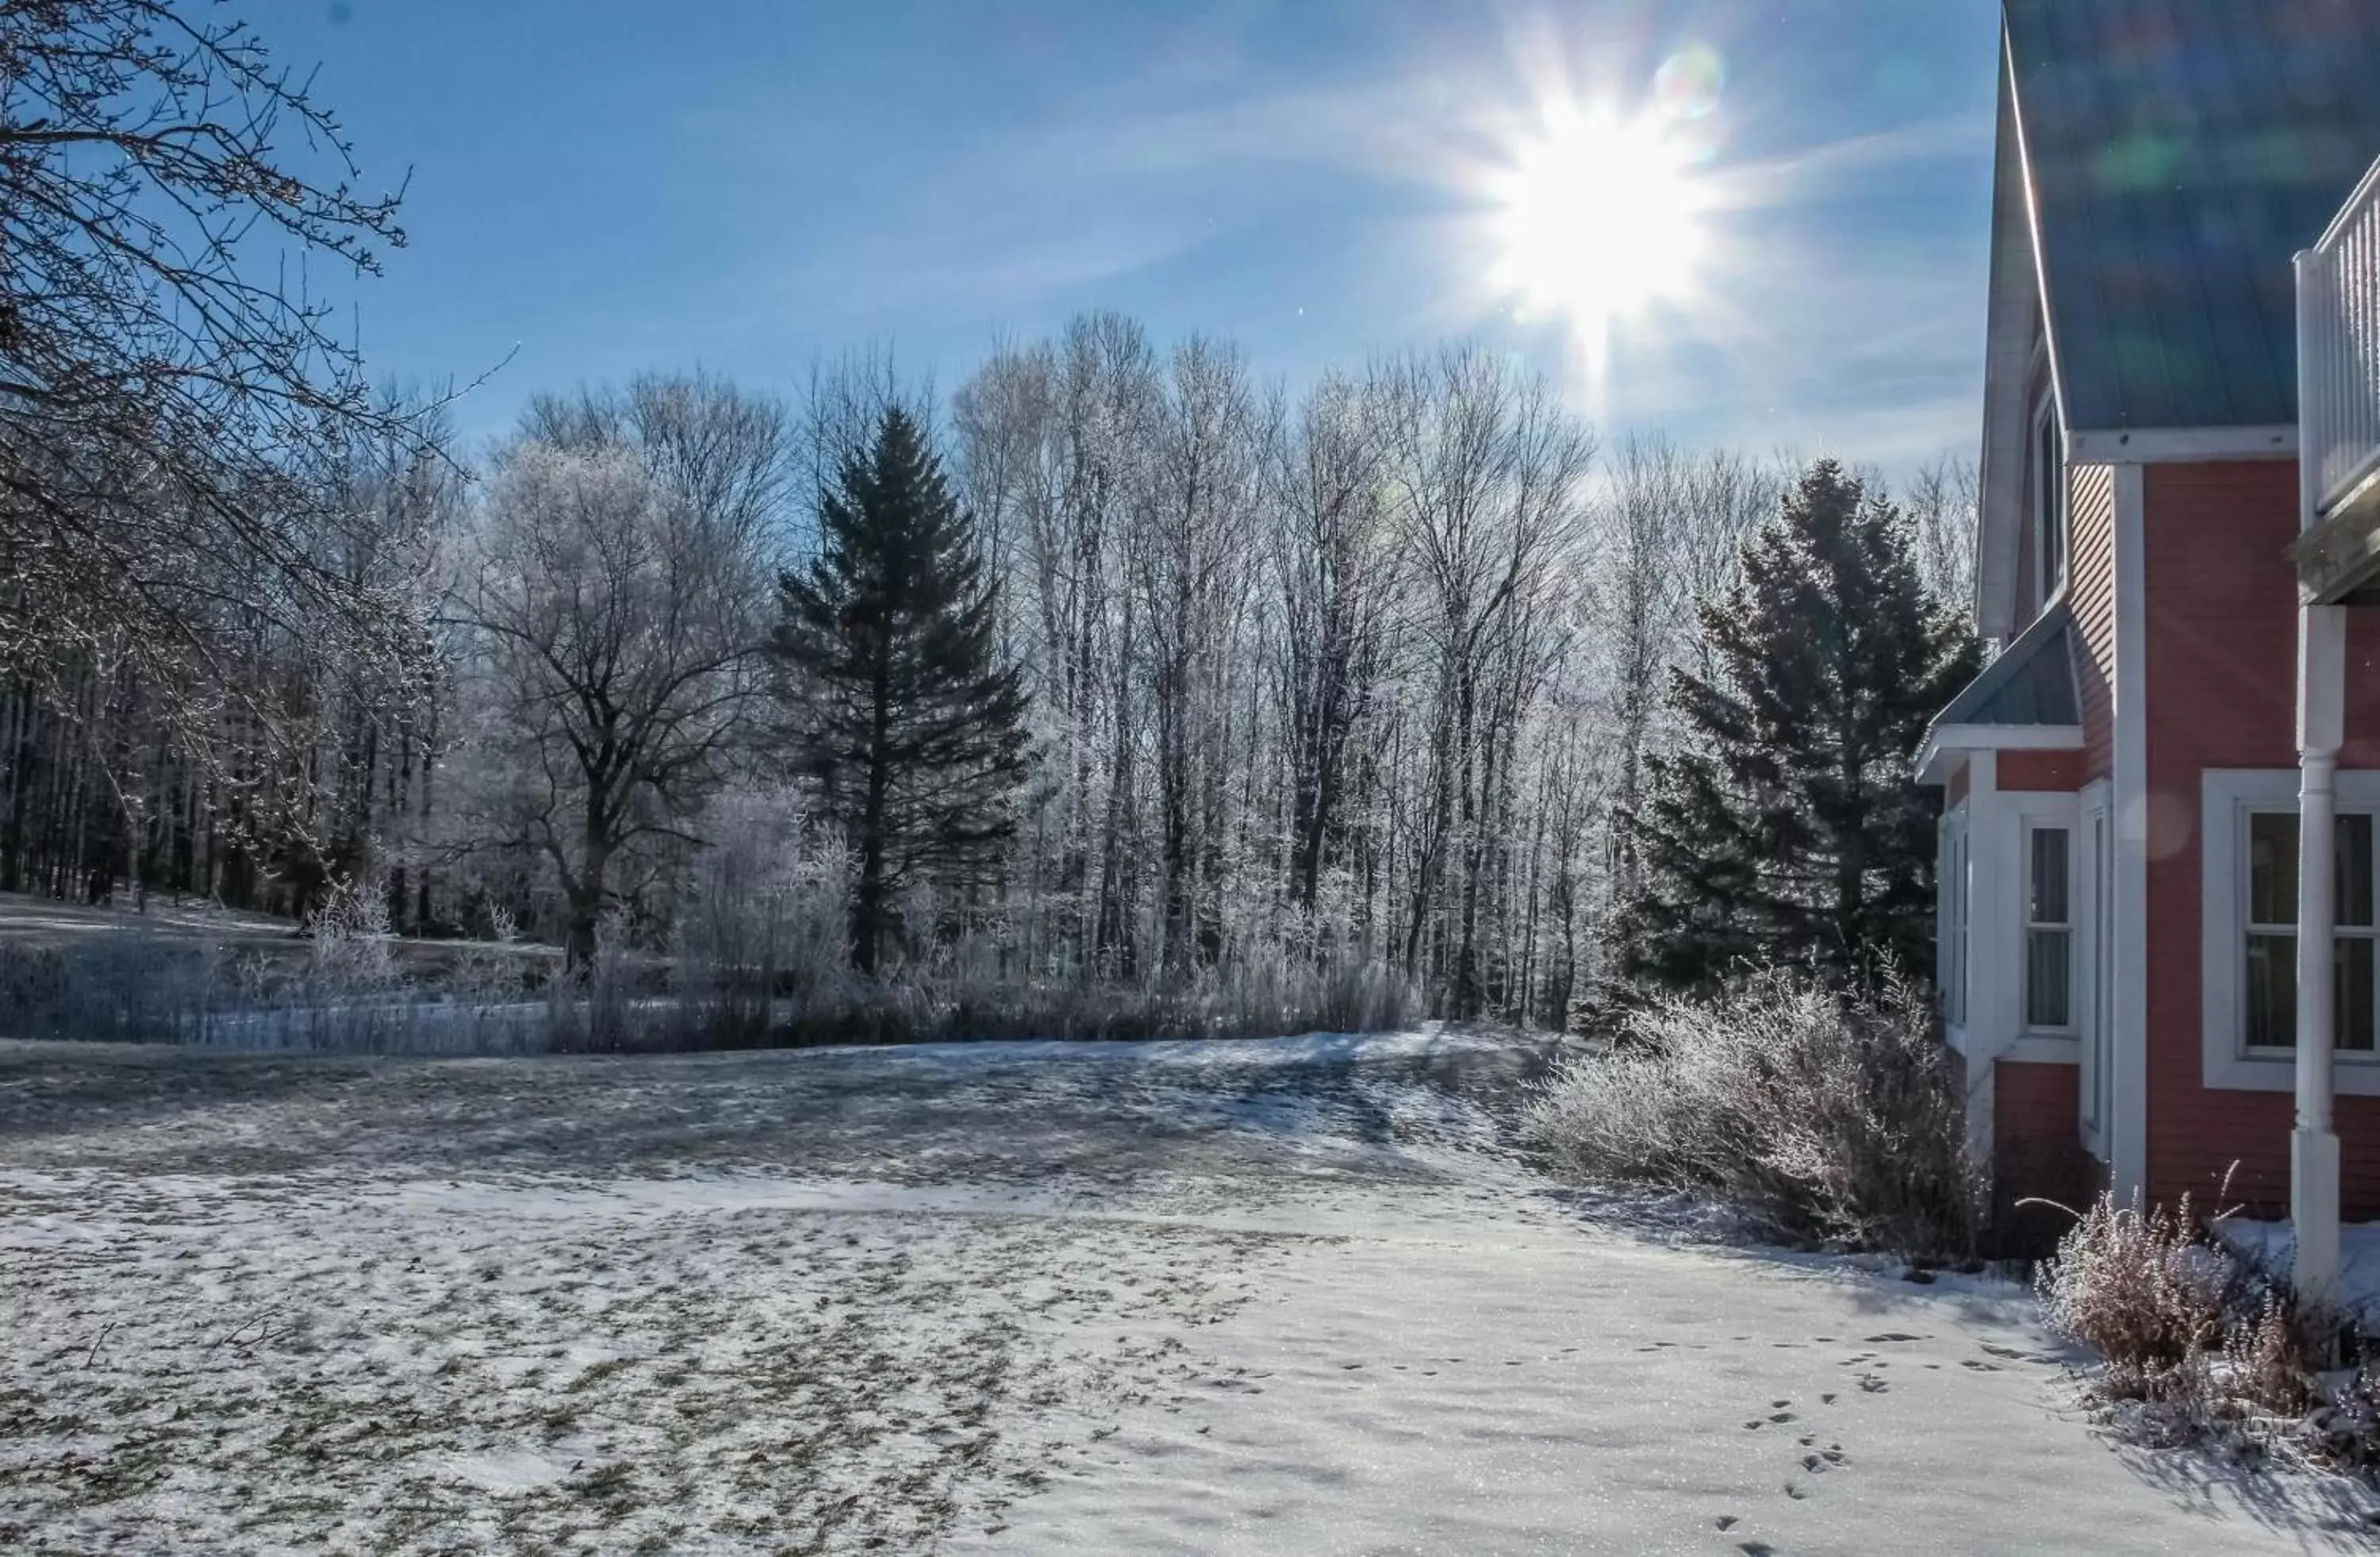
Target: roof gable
2179	152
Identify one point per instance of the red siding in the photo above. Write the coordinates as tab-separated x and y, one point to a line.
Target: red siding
2037	1153
2061	771
2091	591
2220	665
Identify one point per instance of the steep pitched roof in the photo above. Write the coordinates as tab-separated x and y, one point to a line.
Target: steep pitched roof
2179	152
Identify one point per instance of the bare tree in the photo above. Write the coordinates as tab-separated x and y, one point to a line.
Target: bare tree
613	632
1193	525
1943	503
1490	488
1337	577
163	372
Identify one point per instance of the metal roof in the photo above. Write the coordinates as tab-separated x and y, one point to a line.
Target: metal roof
2180	152
2032	682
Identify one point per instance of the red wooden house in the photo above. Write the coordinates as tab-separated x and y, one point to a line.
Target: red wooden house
2172	767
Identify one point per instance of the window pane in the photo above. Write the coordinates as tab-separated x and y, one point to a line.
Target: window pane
2355	870
2049	876
2272	992
2354	978
2273	867
2048	976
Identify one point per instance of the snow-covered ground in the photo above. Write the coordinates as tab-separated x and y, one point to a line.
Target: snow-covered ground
1276	1297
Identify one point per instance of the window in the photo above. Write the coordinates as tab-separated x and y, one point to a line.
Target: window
2271	973
2049	930
2048	483
1951	918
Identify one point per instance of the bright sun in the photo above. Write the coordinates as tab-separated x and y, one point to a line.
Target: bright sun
1595	218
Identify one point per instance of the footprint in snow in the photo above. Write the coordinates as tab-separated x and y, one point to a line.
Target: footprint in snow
1728	1522
1756	1548
1892	1337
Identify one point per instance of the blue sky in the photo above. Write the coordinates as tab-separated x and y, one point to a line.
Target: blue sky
601	187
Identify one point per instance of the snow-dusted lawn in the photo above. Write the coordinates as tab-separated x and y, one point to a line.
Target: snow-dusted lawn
1285	1297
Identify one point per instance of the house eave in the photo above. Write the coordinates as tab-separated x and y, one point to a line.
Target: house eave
2016	320
2180	446
1948	745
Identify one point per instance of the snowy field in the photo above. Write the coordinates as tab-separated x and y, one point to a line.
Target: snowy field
1284	1298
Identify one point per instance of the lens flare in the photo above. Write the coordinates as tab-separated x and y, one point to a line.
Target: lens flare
1595	218
1689	83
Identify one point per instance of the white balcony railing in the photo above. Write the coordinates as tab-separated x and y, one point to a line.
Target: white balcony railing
2339	356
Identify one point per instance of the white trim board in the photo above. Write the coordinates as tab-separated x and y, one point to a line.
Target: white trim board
2226	796
2127	1130
2180	445
2094	838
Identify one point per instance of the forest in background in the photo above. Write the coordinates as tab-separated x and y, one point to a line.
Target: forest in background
1364	675
1343	685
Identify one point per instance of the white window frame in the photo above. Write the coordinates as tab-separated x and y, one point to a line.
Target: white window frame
2029	926
2229	796
2020	811
1953	931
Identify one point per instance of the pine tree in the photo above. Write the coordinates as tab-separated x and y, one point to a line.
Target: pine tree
1786	826
911	732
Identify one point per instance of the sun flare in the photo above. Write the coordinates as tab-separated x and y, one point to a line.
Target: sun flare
1595	218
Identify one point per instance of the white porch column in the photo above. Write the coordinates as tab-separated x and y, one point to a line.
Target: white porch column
2314	1153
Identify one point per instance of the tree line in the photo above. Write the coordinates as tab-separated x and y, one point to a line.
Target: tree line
1121	667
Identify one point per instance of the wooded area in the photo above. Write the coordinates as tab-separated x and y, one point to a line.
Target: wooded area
1354	675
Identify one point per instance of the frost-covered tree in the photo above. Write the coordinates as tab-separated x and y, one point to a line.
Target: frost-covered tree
1786	827
212	618
165	378
610	632
1336	574
899	713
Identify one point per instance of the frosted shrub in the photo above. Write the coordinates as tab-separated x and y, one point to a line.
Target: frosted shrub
1829	1118
592	1008
2196	1349
762	924
2140	1290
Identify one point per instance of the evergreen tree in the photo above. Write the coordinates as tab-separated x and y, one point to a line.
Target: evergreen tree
1786	826
912	733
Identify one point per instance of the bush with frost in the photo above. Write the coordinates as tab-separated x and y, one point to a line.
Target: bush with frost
1829	1117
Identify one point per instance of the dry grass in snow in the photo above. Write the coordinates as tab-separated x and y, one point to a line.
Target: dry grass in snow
205	1369
1274	1299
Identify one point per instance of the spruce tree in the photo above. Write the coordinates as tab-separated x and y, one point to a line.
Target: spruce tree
911	732
1786	825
